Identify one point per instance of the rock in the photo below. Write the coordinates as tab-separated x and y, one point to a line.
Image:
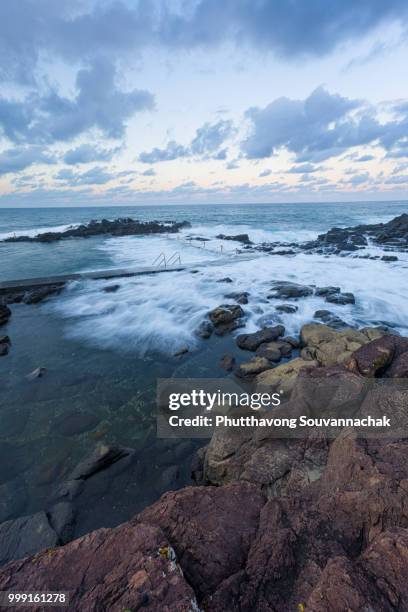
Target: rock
204	330
38	295
292	341
250	342
389	258
399	367
323	291
227	362
13	498
341	298
111	288
5	314
270	351
241	298
37	373
102	457
375	357
74	423
5	344
225	318
132	567
226	279
117	227
181	351
244	238
282	377
25	536
329	318
286	290
61	518
253	367
288	308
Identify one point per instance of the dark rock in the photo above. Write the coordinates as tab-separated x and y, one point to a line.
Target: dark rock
323	291
227	279
292	341
244	238
169	477
111	288
227	362
74	423
399	367
102	457
38	295
240	297
13	498
5	314
389	258
270	351
117	227
225	318
37	373
25	536
181	351
341	298
204	330
329	318
288	308
250	342
286	290
62	519
5	344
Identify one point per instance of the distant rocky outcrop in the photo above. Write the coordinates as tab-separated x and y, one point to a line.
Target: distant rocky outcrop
117	227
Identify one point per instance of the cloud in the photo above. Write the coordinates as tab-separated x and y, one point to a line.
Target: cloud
303	168
266	172
21	157
97	104
232	165
94	176
149	172
86	153
323	125
364	158
75	31
207	139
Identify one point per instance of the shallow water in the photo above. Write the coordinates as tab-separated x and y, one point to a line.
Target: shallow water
103	352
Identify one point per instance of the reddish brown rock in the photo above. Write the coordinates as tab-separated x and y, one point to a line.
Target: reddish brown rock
374	358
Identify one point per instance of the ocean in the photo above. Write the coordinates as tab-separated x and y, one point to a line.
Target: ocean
104	351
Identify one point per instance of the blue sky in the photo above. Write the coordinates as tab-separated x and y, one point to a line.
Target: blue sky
155	101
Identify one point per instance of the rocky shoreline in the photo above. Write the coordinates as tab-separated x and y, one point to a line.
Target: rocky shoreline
117	227
316	523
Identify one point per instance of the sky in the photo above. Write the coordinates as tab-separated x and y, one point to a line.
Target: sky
106	102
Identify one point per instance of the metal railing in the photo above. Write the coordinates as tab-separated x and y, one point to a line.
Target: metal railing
162	260
175	258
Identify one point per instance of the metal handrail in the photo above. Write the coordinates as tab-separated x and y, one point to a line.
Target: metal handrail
175	258
160	259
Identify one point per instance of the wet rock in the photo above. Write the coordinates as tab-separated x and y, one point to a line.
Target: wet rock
323	291
62	519
111	288
37	373
270	351
253	367
389	258
250	342
102	457
288	308
286	290
204	330
226	318
240	297
132	567
283	377
226	279
38	295
5	344
341	298
181	351
399	367
169	477
292	341
74	423
328	346
5	314
25	536
227	362
13	498
243	238
330	319
116	227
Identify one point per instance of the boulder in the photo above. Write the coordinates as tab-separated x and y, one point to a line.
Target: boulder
204	330
341	298
323	291
225	318
240	297
282	377
244	238
25	536
270	351
253	367
287	308
329	318
38	295
399	367
389	258
375	357
286	290
250	342
5	314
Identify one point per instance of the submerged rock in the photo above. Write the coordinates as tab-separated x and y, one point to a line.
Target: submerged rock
37	373
38	295
341	298
287	290
227	362
287	308
204	330
5	344
5	314
25	536
240	297
244	238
